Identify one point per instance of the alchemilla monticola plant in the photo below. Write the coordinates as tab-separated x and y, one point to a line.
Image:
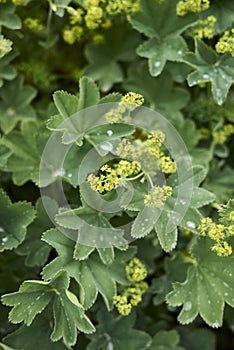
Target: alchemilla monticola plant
116	174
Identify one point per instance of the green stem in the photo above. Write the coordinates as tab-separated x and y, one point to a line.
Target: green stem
216	206
150	181
189	259
49	19
135	177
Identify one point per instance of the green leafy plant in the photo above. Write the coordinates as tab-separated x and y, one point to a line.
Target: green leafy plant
116	174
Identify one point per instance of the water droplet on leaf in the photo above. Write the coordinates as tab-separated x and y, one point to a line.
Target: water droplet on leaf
109	132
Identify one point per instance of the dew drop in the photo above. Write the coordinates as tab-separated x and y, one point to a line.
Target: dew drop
2	229
69	175
180	52
4	239
215	324
10	111
206	76
188	306
190	224
59	172
106	146
157	64
109	132
109	346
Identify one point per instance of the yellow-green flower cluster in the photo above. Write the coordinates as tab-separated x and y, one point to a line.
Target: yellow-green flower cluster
221	136
133	98
148	153
33	24
157	196
205	133
168	166
95	14
218	233
115	7
129	102
75	31
122	305
17	2
154	142
116	115
226	42
185	6
138	151
76	15
98	38
93	17
136	273
112	177
231	215
72	34
205	28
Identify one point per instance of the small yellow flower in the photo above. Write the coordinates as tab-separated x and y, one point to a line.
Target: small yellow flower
231	215
167	165
98	38
154	142
122	305
226	43
16	2
221	136
205	28
205	133
33	24
133	98
115	115
157	196
186	6
72	34
136	271
114	7
111	178
205	224
76	16
106	24
230	230
222	249
90	3
228	129
218	233
93	18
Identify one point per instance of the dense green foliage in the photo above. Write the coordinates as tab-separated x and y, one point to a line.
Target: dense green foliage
116	174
